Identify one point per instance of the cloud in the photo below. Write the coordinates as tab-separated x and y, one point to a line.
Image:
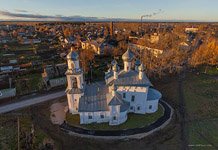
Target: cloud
23	15
21	11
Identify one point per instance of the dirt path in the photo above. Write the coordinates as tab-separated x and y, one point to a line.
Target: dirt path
182	111
31	101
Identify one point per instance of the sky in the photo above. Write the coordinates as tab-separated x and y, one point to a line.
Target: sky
199	10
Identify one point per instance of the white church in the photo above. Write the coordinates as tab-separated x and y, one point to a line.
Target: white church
124	91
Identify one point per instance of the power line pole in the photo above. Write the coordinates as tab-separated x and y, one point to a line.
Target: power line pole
18	133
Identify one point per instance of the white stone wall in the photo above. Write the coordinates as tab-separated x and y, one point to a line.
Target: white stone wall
127	66
120	118
151	106
96	117
140	93
80	81
73	102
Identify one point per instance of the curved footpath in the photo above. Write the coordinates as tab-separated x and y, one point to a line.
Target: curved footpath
136	133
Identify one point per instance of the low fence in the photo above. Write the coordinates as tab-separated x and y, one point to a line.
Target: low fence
108	133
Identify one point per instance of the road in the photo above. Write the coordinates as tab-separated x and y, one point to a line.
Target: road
30	101
182	111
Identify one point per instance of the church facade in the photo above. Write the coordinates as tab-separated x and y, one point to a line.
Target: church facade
124	91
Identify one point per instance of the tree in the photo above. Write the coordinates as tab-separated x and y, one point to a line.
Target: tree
206	54
86	56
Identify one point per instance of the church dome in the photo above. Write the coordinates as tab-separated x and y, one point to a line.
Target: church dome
141	67
115	67
137	62
73	56
113	62
128	55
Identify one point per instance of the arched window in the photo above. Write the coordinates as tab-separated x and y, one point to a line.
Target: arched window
124	95
74	83
89	116
133	98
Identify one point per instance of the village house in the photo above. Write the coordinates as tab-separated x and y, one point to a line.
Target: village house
53	76
138	48
7	88
192	30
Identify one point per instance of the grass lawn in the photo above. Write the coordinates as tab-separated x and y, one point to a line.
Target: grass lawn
201	96
201	100
8	132
133	121
201	103
203	132
210	70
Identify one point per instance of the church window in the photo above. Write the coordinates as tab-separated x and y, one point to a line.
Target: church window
114	118
102	116
133	98
150	106
90	117
124	95
138	108
131	108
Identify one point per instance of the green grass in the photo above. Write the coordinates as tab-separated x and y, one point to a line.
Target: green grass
133	121
8	132
201	103
210	70
201	96
201	100
204	133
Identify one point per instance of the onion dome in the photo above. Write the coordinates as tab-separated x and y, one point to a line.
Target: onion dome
73	56
137	62
113	62
141	67
128	55
115	67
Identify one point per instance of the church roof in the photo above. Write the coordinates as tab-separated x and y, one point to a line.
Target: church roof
153	94
117	100
128	55
74	91
131	78
93	103
113	62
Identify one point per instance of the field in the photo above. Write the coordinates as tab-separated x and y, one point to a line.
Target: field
201	99
134	121
200	93
9	132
